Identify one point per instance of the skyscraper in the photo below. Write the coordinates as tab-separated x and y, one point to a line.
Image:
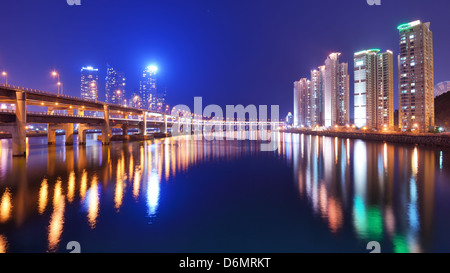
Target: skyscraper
343	102
317	87
385	91
302	103
330	89
147	86
416	77
89	83
115	86
336	92
374	90
365	92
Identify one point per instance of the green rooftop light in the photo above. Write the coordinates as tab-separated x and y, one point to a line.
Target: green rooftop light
374	50
408	25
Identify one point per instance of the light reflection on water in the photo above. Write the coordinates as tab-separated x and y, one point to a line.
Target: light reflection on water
388	188
378	191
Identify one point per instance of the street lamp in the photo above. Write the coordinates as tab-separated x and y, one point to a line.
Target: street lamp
6	77
59	84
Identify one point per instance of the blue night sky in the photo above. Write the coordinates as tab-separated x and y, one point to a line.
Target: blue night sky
228	52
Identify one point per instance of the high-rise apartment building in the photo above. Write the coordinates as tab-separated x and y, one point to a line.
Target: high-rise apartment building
317	87
342	96
365	88
323	100
416	77
115	86
302	103
385	91
336	92
89	83
147	86
373	89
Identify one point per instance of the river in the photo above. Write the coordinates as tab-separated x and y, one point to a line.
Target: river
312	194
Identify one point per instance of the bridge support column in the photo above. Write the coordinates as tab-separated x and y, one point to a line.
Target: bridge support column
51	133
81	112
165	124
106	130
19	132
68	129
81	134
144	124
124	129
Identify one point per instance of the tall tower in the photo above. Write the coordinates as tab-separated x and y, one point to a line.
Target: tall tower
115	86
331	89
416	79
89	83
147	86
317	87
374	89
365	92
342	99
302	102
385	91
336	92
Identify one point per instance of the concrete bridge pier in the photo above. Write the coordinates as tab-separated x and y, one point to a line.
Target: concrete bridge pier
51	133
106	130
82	134
165	124
19	132
68	129
143	126
124	129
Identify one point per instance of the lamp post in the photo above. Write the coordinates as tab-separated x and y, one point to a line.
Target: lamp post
58	83
6	77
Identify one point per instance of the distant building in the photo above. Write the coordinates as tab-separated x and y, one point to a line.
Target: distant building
158	102
302	103
89	83
323	100
115	86
416	77
317	89
135	101
441	88
289	119
147	86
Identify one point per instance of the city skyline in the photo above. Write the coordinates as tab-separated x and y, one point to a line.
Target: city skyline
191	46
374	87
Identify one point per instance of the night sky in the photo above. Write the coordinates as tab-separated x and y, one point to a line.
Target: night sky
228	52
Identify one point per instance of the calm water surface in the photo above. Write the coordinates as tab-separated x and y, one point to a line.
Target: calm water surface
314	194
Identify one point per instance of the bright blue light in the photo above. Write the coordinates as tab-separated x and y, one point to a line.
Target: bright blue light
90	68
152	68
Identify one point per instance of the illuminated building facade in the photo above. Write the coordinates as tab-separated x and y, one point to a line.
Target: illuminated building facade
115	86
336	92
374	89
147	86
416	77
302	103
89	83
